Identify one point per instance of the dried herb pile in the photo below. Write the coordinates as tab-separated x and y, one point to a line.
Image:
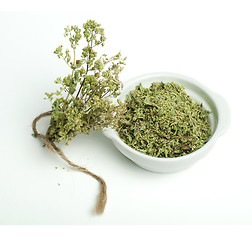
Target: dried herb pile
163	121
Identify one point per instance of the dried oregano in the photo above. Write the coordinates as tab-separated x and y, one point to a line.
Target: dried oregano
83	102
163	121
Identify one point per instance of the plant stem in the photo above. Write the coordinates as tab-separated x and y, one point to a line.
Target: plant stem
91	95
70	83
91	47
81	84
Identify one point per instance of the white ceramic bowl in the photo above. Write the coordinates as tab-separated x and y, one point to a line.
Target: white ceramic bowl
219	120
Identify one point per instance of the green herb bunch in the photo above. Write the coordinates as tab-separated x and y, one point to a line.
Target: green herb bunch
163	121
83	101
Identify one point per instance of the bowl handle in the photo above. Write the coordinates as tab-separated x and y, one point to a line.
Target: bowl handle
224	114
108	132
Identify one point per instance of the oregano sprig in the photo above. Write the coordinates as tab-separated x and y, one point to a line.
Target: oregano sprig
83	101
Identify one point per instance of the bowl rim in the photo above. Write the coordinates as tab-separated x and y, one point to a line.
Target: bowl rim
216	98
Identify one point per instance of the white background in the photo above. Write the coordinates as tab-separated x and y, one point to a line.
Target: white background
210	41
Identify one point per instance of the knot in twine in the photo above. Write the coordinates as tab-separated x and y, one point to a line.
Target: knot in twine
102	197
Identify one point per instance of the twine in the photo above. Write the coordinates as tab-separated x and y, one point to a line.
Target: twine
102	197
